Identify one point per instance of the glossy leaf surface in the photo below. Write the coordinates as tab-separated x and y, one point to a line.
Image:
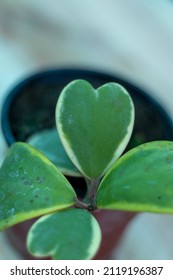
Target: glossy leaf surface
30	185
141	180
48	143
94	124
68	235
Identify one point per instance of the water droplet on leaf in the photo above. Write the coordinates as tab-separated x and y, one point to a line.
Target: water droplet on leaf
10	212
2	195
14	174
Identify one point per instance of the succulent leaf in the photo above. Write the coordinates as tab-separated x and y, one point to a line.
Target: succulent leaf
49	144
30	186
94	125
141	180
71	234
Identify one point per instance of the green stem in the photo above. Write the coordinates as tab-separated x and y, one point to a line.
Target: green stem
90	199
80	204
92	186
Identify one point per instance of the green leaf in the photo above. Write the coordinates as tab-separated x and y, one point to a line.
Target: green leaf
141	180
94	125
30	185
48	143
68	235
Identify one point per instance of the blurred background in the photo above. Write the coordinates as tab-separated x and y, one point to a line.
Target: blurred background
132	39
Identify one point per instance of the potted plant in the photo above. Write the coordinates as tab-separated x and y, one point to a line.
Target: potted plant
94	184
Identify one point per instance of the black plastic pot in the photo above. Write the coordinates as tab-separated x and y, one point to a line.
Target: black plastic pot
30	107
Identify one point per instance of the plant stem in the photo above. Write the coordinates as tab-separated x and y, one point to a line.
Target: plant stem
90	200
92	186
80	204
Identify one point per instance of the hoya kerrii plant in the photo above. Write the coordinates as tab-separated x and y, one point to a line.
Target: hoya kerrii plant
94	127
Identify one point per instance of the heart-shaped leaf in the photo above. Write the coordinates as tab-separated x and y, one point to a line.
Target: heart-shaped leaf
30	185
141	180
68	235
48	143
94	125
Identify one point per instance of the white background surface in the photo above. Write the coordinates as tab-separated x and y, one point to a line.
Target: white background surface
132	38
